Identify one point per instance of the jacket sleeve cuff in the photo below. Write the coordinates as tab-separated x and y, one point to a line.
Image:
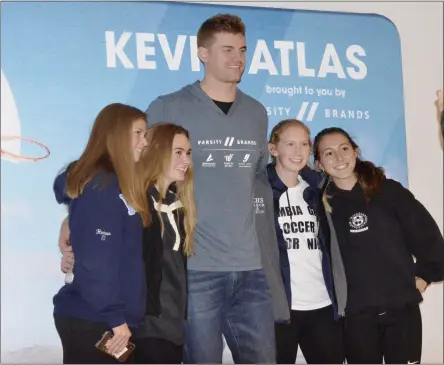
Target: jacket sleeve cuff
116	320
422	274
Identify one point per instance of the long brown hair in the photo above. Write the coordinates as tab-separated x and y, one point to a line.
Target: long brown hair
109	150
153	166
368	174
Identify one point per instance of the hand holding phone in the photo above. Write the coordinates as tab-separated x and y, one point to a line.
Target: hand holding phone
117	343
121	336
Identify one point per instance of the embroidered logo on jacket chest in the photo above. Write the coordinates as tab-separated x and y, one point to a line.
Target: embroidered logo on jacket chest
358	222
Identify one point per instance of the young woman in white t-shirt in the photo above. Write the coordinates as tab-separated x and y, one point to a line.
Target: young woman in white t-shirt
303	253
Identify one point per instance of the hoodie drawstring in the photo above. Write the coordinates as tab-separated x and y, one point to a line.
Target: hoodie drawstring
169	209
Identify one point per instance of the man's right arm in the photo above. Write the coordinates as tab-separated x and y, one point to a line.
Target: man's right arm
64	236
65	248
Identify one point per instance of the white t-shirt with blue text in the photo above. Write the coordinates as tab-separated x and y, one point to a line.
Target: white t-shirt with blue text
299	226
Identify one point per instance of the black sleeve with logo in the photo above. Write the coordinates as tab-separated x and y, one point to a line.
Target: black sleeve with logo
377	240
421	232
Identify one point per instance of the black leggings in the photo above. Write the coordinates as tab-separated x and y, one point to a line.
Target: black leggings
79	338
151	350
316	332
393	335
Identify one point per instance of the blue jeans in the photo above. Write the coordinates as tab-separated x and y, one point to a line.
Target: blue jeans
236	304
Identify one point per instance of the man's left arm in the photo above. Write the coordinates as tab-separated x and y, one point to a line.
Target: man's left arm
263	142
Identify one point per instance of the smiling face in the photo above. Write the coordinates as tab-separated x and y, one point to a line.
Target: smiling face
138	138
224	57
292	150
180	159
337	157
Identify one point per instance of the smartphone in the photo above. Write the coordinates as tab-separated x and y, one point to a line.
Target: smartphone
123	355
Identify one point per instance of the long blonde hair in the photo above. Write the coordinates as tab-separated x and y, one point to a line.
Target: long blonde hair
153	166
109	150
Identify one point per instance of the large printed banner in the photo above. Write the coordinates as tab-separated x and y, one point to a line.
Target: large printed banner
61	62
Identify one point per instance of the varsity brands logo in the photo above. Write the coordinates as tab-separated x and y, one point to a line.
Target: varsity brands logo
245	160
246	142
209	142
228	160
229	141
103	234
258	205
225	148
311	113
209	162
358	222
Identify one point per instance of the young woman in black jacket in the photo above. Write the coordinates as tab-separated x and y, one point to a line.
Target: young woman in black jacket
167	172
380	226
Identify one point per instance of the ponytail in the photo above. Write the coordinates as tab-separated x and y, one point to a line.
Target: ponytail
369	177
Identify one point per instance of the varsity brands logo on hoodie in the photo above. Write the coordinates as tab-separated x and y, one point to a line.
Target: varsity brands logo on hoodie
231	148
227	142
245	161
209	162
358	222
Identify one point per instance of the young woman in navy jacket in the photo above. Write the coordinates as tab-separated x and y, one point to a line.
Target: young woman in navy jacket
107	211
304	255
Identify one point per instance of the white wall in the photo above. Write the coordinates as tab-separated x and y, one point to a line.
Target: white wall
420	25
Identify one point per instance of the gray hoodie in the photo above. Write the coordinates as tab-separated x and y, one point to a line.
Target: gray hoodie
228	151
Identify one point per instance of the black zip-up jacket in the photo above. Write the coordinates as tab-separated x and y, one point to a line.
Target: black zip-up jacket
377	240
165	271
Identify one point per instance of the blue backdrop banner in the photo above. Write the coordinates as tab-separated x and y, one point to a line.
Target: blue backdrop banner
62	62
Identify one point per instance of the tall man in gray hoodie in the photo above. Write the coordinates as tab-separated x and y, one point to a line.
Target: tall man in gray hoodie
229	290
234	283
